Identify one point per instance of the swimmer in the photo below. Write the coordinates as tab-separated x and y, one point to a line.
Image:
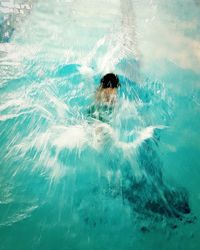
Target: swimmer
107	91
101	111
105	98
142	191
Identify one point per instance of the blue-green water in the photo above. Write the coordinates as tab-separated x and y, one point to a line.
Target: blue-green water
68	181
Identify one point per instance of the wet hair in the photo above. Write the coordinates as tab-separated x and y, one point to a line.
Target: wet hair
109	80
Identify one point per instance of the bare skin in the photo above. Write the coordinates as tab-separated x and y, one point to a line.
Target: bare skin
106	96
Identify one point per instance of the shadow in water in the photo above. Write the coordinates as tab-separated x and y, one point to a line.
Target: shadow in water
149	195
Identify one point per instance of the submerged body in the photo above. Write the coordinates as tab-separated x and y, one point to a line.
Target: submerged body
149	194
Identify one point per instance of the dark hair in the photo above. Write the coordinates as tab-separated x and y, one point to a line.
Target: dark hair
110	80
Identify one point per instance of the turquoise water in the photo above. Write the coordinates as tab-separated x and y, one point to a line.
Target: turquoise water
68	181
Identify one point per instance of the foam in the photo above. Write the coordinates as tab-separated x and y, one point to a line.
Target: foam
143	135
71	137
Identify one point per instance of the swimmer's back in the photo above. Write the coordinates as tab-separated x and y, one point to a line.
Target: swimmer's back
105	99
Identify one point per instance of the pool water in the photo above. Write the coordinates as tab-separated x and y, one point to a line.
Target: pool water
128	181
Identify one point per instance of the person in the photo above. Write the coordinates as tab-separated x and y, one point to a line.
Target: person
107	91
105	98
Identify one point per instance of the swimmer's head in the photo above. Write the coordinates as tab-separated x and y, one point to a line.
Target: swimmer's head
110	80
